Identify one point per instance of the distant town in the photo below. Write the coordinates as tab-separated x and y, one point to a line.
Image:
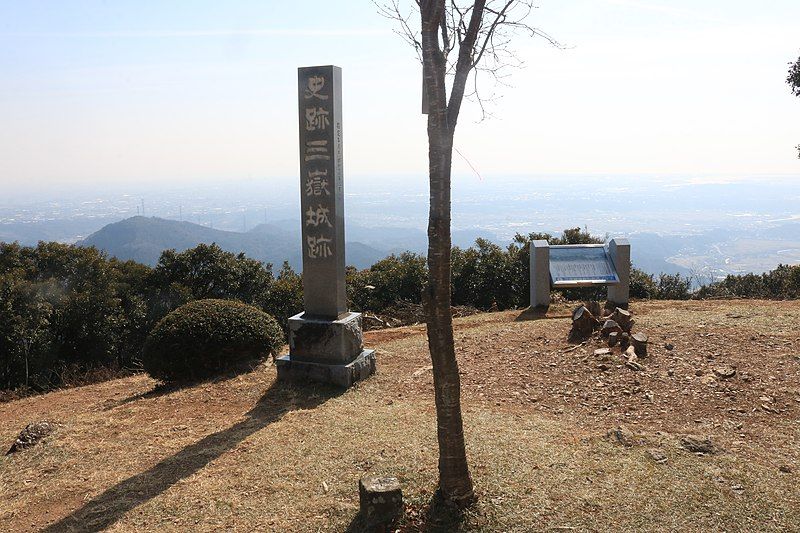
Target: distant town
707	228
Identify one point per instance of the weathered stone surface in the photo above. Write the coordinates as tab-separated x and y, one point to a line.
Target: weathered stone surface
343	375
697	444
381	499
31	435
639	341
725	372
319	340
325	342
322	190
657	455
622	435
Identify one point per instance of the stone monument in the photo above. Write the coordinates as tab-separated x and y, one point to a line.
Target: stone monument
325	341
580	265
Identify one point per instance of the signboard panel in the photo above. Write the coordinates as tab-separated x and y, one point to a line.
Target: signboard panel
580	265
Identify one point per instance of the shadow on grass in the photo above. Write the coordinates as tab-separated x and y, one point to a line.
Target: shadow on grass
104	510
532	313
161	389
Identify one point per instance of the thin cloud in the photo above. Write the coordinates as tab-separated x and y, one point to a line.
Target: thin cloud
665	9
267	32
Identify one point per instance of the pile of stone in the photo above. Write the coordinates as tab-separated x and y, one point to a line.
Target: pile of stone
615	326
31	436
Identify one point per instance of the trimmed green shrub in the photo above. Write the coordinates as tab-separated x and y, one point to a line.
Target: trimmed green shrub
393	279
205	338
284	297
783	283
674	287
643	285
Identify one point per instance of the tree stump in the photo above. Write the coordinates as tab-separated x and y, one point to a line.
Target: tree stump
613	339
624	341
610	326
583	323
594	307
623	318
639	341
381	499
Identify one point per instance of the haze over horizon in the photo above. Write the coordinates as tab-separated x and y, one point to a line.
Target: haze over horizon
151	94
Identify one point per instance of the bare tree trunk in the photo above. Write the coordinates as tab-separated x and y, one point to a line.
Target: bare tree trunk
455	483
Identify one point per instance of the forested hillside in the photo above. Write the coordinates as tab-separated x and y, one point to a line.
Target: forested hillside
68	313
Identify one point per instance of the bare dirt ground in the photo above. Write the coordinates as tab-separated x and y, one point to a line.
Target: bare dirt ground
247	453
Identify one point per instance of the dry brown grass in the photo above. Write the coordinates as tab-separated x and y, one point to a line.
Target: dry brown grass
248	454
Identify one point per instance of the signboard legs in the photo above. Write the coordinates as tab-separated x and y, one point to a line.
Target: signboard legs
540	274
619	250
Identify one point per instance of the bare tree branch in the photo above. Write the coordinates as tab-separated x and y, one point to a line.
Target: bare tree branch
391	10
482	31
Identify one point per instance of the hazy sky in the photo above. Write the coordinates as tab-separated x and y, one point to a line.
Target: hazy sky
170	91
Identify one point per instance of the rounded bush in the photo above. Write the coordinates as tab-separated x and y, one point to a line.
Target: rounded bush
205	338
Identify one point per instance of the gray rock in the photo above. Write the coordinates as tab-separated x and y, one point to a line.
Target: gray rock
342	375
319	340
725	372
594	307
657	455
623	436
695	444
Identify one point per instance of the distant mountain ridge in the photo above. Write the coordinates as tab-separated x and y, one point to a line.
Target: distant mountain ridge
143	239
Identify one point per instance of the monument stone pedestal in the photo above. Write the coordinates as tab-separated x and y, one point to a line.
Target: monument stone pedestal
326	351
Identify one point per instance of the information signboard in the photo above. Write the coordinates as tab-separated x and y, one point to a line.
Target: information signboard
580	265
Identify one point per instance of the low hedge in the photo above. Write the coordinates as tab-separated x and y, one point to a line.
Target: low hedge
205	338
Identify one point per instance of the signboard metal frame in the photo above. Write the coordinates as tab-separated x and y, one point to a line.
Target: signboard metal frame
596	254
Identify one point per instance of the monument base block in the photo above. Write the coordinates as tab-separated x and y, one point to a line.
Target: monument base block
343	375
321	340
326	351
